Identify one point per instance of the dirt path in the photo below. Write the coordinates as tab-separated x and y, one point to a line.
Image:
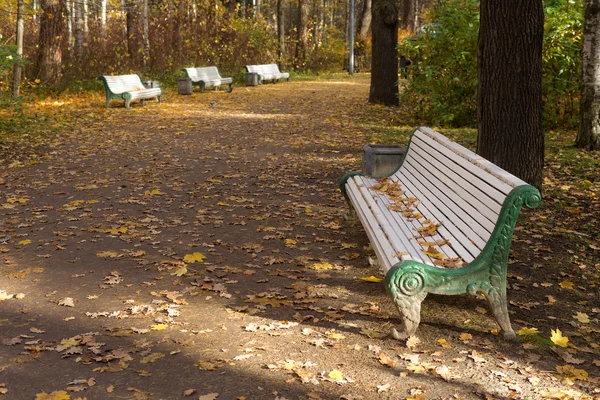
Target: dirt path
201	247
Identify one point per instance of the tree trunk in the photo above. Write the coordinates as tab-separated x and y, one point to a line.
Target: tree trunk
281	30
408	15
52	25
130	27
509	109
364	22
103	16
302	39
384	69
145	34
588	136
78	27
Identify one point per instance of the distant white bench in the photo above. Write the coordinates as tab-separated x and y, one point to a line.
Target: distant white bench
207	77
442	223
128	88
268	72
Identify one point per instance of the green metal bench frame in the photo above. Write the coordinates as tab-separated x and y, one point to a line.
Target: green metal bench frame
129	94
410	281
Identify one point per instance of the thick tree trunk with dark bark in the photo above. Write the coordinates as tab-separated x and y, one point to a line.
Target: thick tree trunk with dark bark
52	26
384	69
509	111
588	136
408	15
130	27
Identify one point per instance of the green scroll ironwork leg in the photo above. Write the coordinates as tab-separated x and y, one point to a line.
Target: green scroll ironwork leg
496	297
406	285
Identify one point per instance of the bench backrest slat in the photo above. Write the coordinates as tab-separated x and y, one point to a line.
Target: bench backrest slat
494	175
264	69
203	73
461	186
123	83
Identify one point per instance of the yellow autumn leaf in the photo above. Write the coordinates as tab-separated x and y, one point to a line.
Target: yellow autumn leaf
70	342
182	270
107	254
371	279
25	242
322	266
308	210
5	296
154	192
21	200
572	372
74	203
433	253
582	317
335	336
159	327
194	257
57	395
290	241
116	231
558	338
336	375
566	285
527	331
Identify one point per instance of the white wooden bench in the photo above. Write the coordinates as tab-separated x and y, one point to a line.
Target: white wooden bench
267	72
442	223
128	88
207	77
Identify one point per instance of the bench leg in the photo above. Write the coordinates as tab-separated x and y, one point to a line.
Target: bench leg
408	287
158	98
127	101
107	101
142	101
496	298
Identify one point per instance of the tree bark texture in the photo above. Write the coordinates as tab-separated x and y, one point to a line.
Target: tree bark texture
145	34
281	29
52	26
509	109
302	39
384	68
78	27
130	27
408	15
364	22
588	136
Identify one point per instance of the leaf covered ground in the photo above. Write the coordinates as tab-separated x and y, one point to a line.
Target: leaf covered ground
199	249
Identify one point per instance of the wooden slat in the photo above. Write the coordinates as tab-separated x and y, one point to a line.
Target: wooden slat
456	153
408	229
446	194
381	245
485	164
479	196
461	245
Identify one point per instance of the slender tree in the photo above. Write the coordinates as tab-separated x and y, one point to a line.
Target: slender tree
588	136
384	69
509	109
364	21
302	38
145	34
281	29
52	26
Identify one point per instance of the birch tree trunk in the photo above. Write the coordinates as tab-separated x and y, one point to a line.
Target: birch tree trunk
145	33
78	27
364	22
588	136
302	39
103	16
85	12
281	30
509	104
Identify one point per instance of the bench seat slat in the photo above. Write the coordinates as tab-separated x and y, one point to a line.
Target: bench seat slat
443	215
408	230
380	243
455	210
461	245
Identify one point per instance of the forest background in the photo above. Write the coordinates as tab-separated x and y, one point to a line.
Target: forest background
156	38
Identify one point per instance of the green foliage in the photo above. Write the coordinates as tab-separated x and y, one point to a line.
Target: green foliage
443	78
442	84
563	42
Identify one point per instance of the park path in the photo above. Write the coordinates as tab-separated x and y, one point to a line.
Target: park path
198	249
